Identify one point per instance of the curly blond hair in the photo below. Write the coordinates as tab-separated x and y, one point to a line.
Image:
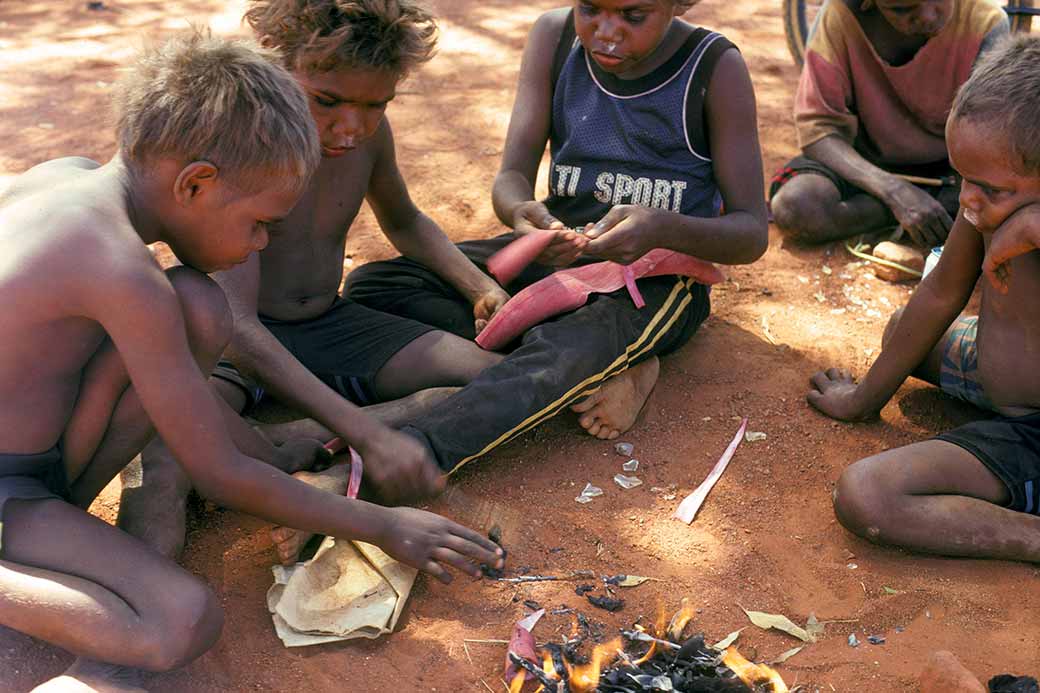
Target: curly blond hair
231	103
322	35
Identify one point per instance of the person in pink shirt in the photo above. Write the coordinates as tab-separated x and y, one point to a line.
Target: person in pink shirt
878	82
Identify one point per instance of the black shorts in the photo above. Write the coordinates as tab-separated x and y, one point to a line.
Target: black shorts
31	477
253	390
347	345
1010	448
947	195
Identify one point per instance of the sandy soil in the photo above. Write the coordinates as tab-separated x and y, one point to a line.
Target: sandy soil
766	538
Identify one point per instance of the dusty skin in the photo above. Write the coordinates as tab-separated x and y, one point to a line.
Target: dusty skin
612	410
766	537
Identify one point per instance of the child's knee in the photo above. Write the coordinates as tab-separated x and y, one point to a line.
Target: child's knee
860	499
799	210
207	316
188	625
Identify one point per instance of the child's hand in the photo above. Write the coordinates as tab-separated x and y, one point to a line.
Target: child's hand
487	304
625	234
303	454
834	393
564	249
400	468
919	214
433	543
1018	235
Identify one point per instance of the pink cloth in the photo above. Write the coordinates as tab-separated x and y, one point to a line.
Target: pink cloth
569	289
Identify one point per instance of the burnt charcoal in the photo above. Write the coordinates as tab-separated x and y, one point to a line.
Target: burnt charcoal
557	654
704	684
532	604
581	590
495	535
692	648
614	580
1008	683
606	603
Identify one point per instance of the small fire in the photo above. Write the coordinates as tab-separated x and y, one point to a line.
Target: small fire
585	678
679	620
517	684
753	674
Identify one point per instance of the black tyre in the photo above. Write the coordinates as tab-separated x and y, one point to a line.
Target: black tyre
799	16
1021	21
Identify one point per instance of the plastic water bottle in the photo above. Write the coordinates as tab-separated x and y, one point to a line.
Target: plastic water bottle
932	260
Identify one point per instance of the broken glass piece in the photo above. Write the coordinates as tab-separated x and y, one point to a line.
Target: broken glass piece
591	491
627	481
754	436
583	499
853	642
876	639
631	465
624	449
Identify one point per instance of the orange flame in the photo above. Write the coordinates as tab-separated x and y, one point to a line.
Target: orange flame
517	684
679	620
753	674
585	678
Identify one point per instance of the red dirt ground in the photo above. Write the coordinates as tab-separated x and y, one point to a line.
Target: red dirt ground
766	538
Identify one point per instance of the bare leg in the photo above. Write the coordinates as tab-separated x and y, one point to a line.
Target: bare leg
808	209
934	497
612	410
74	581
395	413
436	359
944	674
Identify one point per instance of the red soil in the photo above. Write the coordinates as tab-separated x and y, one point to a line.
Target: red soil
766	537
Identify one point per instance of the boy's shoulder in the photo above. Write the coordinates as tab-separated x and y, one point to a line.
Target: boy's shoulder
549	26
52	215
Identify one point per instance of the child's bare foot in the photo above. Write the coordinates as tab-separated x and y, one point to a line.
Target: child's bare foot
289	542
611	410
944	674
88	676
282	433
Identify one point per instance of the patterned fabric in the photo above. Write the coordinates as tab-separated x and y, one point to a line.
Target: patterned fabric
959	372
890	114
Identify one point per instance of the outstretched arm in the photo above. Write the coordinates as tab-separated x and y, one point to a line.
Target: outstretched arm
141	314
398	466
418	237
741	234
936	303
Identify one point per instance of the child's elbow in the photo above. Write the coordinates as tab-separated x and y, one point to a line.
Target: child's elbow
756	245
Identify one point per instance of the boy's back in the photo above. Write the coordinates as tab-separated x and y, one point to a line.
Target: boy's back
63	227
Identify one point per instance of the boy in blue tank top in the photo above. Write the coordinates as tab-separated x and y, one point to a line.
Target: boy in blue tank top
652	128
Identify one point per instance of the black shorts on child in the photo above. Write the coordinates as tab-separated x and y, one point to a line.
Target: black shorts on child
1010	448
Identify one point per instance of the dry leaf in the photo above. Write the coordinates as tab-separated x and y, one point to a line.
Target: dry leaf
635	580
727	641
784	656
779	622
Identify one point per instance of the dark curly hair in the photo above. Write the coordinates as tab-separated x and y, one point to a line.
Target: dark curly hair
321	35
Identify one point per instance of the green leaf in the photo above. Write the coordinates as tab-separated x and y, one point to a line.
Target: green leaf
779	622
889	590
727	641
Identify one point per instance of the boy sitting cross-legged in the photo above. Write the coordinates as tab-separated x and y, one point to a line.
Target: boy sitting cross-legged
975	490
215	144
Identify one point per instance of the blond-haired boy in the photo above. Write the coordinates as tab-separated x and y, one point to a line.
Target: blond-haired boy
295	337
975	490
101	345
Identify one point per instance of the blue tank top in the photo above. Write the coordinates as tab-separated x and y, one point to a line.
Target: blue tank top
640	141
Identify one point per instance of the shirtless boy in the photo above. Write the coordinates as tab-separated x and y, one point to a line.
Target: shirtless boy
294	335
973	491
102	344
878	81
